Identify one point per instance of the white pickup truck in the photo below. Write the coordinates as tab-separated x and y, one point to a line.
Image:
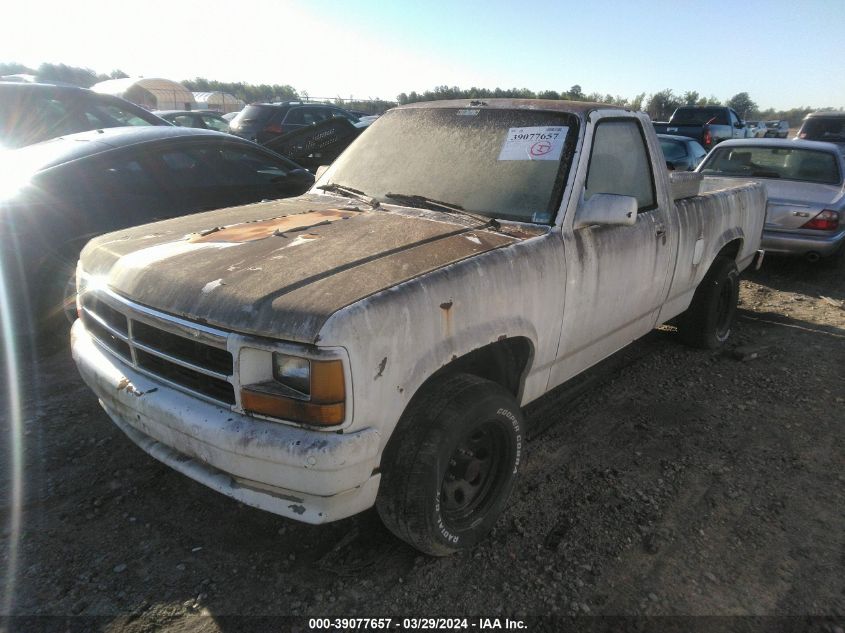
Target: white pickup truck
372	342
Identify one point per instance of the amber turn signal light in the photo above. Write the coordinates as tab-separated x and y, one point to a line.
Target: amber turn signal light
284	408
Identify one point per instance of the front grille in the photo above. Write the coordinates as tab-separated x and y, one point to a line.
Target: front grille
213	358
187	356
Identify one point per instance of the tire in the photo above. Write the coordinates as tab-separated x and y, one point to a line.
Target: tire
708	321
451	464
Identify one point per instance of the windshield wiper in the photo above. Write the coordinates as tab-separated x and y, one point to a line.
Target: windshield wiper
422	202
350	192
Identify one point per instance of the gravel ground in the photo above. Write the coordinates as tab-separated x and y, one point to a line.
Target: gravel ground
667	481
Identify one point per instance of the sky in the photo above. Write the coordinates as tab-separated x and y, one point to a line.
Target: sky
783	53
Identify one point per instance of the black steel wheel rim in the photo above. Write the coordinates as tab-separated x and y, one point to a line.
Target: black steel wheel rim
474	476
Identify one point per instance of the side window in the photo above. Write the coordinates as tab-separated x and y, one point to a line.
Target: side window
295	116
110	177
321	114
125	117
110	115
185	120
305	116
101	114
734	118
243	167
213	123
54	118
346	115
619	163
189	169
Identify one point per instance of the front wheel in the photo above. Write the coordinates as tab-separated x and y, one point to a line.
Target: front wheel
451	464
708	321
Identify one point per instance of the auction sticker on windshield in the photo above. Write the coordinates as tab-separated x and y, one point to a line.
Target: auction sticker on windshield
534	143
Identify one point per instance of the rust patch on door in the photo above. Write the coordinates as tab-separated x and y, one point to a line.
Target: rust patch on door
252	231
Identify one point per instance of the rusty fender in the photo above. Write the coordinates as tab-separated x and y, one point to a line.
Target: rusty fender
396	339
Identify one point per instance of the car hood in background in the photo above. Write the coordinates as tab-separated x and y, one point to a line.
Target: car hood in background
279	269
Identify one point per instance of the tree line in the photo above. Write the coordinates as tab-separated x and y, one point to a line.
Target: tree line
658	105
83	77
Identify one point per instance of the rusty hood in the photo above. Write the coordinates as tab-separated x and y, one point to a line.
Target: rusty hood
279	269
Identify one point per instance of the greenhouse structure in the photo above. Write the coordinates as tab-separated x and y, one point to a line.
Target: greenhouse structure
222	102
150	93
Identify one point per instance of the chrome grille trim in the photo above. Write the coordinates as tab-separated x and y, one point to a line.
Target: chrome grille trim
194	335
103	324
135	345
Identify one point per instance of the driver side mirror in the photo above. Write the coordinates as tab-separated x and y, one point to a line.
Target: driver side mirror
607	209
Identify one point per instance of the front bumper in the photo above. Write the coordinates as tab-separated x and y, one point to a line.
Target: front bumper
310	476
789	243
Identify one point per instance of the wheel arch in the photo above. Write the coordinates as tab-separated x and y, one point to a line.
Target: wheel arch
732	248
505	362
729	244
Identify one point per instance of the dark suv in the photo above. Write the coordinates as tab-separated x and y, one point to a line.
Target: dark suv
262	122
824	126
30	113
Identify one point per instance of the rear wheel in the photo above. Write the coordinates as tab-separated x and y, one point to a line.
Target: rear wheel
451	464
708	321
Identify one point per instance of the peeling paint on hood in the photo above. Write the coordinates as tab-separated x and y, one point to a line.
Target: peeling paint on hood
234	268
251	231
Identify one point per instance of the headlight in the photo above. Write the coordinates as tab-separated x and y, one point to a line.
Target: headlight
302	390
293	372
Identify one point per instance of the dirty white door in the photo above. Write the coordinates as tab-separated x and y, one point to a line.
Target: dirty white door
616	275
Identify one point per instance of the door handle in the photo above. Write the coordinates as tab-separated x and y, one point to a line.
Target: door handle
660	230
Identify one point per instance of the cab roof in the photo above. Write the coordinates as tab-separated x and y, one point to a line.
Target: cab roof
579	108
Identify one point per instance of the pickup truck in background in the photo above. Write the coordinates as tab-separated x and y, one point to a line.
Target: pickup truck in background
755	129
374	341
709	125
777	129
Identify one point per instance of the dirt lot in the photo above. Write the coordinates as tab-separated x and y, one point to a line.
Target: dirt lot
671	481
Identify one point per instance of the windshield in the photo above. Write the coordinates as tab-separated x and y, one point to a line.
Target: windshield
773	162
254	116
824	129
30	117
699	116
505	164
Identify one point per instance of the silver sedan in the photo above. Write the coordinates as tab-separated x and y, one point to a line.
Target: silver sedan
805	184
